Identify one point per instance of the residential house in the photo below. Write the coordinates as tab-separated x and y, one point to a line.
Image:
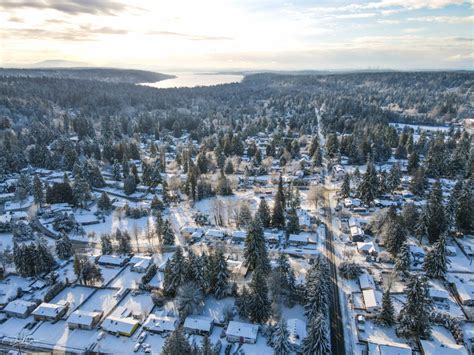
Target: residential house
196	324
241	332
51	311
372	300
84	319
160	324
125	326
19	308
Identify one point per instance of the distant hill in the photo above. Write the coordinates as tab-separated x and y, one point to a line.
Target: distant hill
111	75
59	63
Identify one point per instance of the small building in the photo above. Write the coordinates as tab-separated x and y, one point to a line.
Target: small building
125	326
160	324
19	308
465	291
140	263
241	332
112	260
356	234
239	236
51	311
296	333
84	319
389	349
297	239
371	300
201	325
367	248
439	295
215	234
271	237
187	231
366	282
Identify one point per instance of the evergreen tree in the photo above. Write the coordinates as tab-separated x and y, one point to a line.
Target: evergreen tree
106	244
278	216
346	187
293	225
255	249
317	289
393	233
280	341
129	185
222	275
259	305
263	213
81	192
386	316
414	320
176	344
436	218
175	272
189	299
243	303
413	162
64	247
223	186
464	213
245	216
229	167
436	261
104	202
394	177
418	182
369	185
317	341
38	193
202	273
167	233
403	262
124	242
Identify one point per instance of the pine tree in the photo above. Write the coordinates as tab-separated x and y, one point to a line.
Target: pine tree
414	320
464	213
229	167
38	193
317	289
106	244
202	273
402	265
278	216
393	233
124	242
436	218
394	177
346	187
418	182
368	187
255	249
81	191
175	272
245	216
176	344
436	261
280	341
263	213
386	317
413	163
64	247
259	305
129	185
221	275
243	303
293	225
317	342
167	233
104	202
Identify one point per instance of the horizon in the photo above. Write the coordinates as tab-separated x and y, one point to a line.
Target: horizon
337	35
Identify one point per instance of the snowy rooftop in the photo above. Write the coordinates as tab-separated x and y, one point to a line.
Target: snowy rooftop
119	325
83	317
160	323
19	306
50	309
240	329
297	331
202	323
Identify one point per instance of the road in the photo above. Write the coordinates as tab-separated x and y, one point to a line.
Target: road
337	330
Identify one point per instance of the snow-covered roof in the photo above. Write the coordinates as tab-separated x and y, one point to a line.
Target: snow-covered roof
119	325
112	259
371	298
239	234
389	349
19	306
366	282
296	331
271	236
140	259
216	233
240	329
196	322
5	218
50	309
298	238
368	247
160	323
356	231
83	317
439	293
434	348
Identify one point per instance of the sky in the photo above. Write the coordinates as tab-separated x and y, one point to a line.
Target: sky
208	35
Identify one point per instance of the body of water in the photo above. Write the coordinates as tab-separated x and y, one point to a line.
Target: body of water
189	80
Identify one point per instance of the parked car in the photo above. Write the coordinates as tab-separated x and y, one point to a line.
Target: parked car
360	321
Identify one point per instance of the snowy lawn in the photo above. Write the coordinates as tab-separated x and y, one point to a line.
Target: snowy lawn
75	295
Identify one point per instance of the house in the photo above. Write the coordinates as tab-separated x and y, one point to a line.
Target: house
215	234
448	348
304	220
296	333
372	300
464	290
84	319
19	308
388	348
125	326
187	231
367	248
366	282
140	263
201	325
338	171
356	234
51	311
239	236
112	260
160	324
241	332
271	237
417	253
297	239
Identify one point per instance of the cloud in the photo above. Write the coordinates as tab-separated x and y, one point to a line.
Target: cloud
192	37
455	20
71	7
82	33
461	57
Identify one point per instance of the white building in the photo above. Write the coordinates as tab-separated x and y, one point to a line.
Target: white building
19	308
241	332
196	324
160	324
84	319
